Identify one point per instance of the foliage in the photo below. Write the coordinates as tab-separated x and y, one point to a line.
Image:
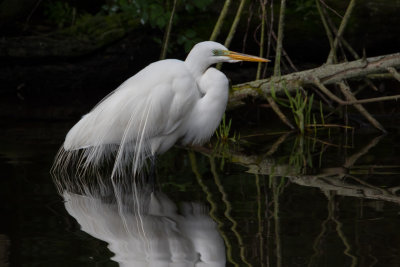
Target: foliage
188	39
60	13
153	13
301	109
305	8
301	156
223	132
156	13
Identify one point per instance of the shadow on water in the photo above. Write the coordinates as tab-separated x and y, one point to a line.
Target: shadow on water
329	199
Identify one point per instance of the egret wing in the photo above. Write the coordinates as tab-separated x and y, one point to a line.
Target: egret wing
149	104
140	118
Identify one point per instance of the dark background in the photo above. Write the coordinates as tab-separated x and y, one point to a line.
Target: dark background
54	65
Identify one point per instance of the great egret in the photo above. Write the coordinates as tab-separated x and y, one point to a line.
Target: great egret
166	102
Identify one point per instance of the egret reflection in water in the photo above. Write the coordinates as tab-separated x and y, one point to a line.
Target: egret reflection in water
142	227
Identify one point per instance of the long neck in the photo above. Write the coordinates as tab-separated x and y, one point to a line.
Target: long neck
209	109
196	64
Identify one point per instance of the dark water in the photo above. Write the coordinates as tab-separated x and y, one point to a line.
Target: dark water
272	200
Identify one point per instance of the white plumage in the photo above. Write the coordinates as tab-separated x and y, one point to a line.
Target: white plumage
166	102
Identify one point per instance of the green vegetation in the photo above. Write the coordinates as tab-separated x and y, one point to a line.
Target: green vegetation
223	132
301	107
61	13
154	14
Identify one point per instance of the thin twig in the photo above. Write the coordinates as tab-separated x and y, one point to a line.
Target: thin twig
328	125
281	23
342	40
33	11
394	72
340	32
350	161
277	66
380	76
349	96
325	23
270	30
235	23
326	91
262	37
285	54
374	99
167	32
351	51
278	112
221	18
331	9
250	16
276	144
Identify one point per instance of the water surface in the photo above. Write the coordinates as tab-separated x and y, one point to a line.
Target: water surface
269	200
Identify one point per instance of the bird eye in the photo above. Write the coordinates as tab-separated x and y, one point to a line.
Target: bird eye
217	52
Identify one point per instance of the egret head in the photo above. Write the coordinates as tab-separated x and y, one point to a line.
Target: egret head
216	53
207	53
224	55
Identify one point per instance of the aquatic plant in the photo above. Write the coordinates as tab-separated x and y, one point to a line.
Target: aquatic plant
223	132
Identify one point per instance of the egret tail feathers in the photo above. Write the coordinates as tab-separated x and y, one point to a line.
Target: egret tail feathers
125	151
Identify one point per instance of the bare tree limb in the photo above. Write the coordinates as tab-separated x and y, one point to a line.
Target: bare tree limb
278	112
326	91
394	72
349	96
327	74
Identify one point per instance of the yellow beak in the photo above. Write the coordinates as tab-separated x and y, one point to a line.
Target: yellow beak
244	57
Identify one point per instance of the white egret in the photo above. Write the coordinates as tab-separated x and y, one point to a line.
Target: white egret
166	102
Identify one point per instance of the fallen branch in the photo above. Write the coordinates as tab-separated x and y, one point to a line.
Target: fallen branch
327	74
